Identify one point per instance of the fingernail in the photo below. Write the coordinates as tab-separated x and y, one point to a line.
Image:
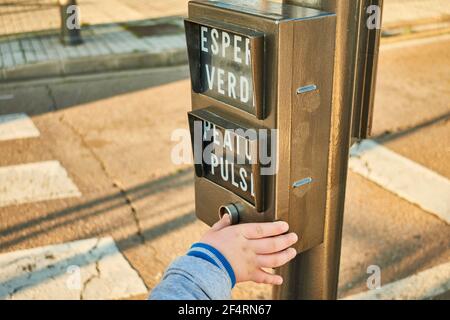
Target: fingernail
294	237
294	252
284	224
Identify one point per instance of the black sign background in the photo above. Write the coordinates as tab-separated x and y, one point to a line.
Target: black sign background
231	169
224	59
232	65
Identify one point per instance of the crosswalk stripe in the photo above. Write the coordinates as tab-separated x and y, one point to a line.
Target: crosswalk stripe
402	176
35	182
422	286
88	269
6	97
17	126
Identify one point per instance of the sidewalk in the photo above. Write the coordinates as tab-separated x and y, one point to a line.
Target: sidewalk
18	16
30	47
107	47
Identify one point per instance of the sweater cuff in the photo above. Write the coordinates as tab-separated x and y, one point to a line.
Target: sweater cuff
212	255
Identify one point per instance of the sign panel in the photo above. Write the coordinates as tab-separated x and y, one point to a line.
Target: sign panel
228	156
228	64
226	71
229	161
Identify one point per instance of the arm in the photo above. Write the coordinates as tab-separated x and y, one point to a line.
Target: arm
190	277
226	255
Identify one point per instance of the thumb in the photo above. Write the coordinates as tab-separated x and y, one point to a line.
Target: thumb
222	223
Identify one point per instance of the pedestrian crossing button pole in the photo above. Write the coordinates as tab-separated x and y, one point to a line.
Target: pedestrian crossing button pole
278	91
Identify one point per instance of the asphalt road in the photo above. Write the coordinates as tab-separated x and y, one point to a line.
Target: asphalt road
112	134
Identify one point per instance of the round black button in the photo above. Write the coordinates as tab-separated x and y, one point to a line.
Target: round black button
232	211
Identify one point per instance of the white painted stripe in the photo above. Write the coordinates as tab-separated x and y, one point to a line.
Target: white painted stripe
86	269
7	97
407	179
17	126
421	286
35	182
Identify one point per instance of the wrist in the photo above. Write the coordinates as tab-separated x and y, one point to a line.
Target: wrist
209	253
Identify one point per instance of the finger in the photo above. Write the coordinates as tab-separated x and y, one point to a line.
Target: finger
225	221
262	276
264	230
276	260
273	244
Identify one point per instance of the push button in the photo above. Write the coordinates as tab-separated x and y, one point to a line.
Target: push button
232	211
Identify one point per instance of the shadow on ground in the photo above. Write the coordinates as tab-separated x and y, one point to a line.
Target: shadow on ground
101	206
39	97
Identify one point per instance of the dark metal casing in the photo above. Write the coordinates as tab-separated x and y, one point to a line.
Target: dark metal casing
293	88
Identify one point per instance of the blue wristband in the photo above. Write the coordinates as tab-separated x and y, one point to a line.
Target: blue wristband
204	256
218	255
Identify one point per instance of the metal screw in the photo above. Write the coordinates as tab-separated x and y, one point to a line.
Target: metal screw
302	182
306	89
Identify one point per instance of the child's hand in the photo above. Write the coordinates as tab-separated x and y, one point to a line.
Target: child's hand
251	247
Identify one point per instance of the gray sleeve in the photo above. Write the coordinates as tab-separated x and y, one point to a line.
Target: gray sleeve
192	278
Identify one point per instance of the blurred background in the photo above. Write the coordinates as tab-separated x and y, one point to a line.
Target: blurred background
91	205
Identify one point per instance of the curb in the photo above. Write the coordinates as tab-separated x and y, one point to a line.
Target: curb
96	64
415	36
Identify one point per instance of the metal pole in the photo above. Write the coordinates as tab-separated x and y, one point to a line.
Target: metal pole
314	274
